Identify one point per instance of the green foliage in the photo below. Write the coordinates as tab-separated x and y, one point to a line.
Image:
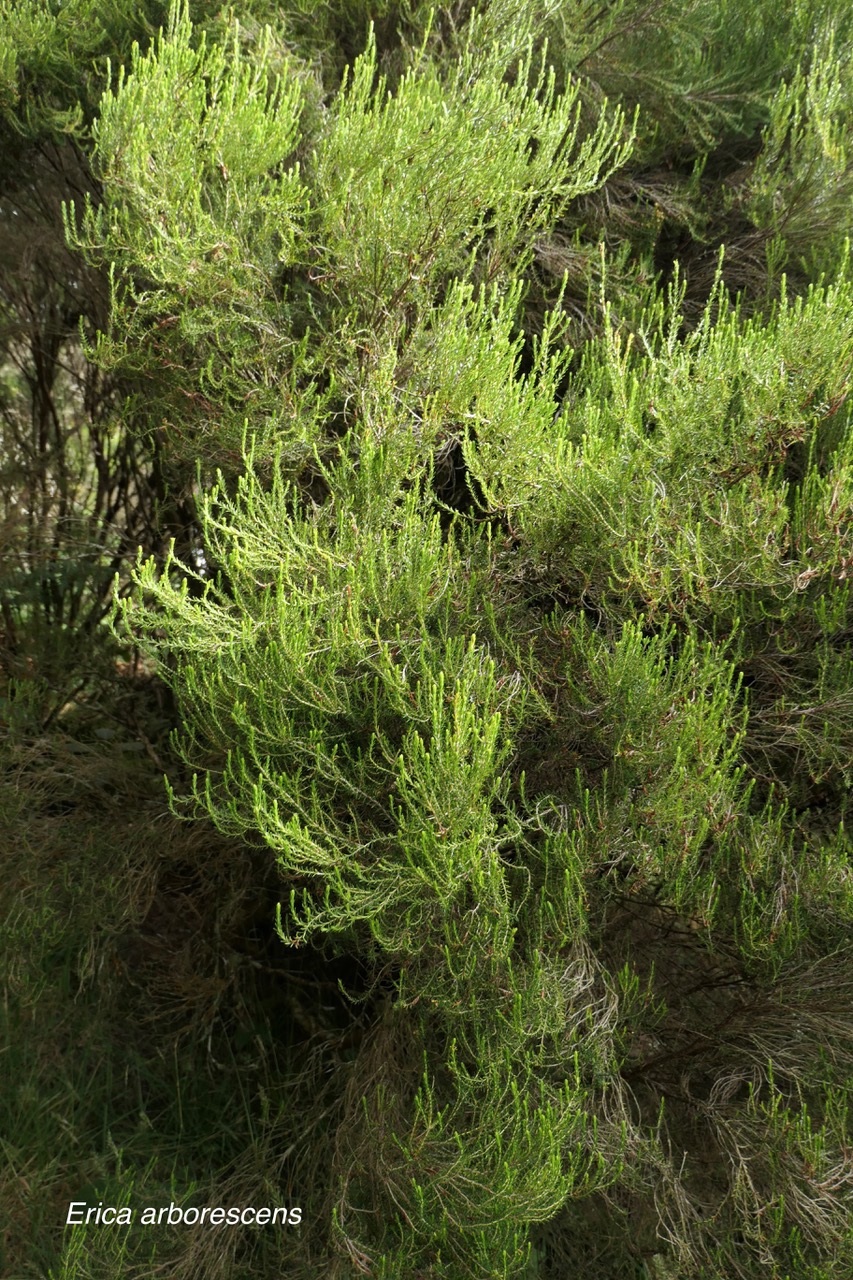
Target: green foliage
800	188
411	185
48	49
458	401
194	142
707	474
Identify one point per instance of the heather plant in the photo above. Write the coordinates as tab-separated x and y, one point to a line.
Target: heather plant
479	577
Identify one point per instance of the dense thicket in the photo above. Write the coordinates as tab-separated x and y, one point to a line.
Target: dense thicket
425	444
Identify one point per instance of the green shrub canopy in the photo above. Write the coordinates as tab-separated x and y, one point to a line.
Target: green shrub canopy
442	422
